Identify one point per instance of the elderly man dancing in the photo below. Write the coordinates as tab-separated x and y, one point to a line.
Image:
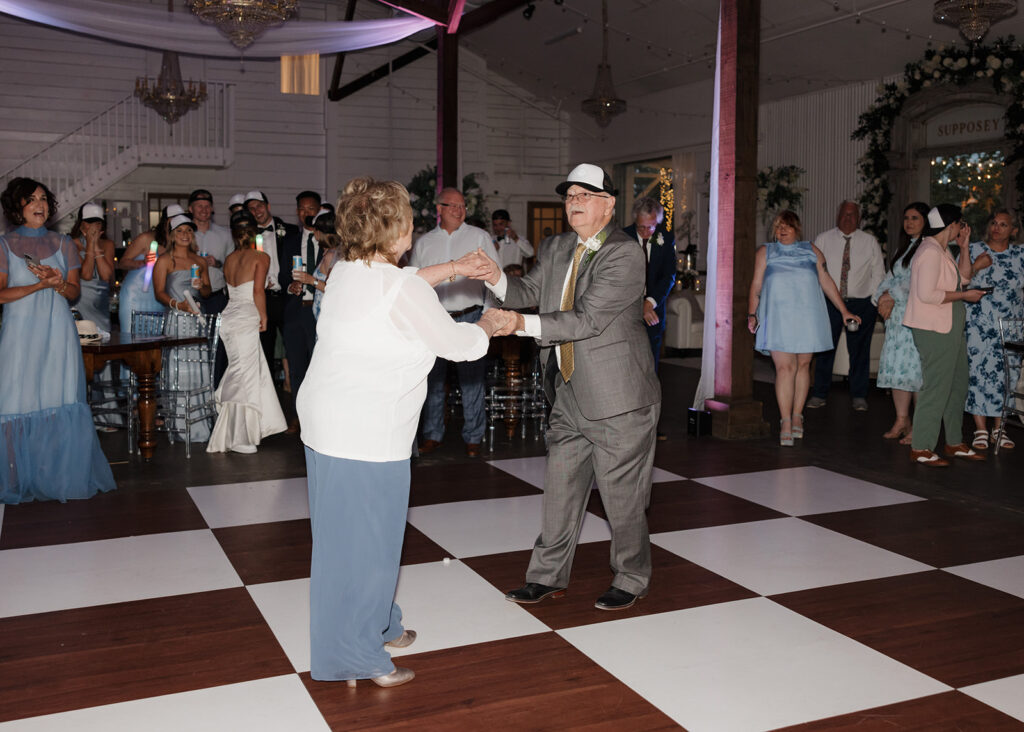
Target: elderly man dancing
589	285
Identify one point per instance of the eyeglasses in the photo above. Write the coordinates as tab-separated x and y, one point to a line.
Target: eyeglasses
456	206
582	197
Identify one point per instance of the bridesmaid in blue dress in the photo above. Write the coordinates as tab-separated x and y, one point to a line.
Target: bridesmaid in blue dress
133	298
899	365
172	279
97	272
998	264
50	449
786	311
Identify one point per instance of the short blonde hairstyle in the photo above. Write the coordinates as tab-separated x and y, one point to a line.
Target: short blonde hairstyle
789	218
371	217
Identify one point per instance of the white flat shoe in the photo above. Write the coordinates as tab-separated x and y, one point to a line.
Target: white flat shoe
396	678
405	640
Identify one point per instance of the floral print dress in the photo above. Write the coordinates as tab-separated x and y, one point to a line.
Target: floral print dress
899	365
984	352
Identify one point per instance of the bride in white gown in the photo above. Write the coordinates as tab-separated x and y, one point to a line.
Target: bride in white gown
247	405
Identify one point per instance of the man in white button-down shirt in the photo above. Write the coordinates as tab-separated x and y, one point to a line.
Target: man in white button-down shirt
464	299
864	272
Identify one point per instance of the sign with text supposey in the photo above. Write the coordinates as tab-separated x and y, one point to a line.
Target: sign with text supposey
974	123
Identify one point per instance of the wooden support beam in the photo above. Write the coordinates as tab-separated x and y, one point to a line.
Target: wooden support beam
482	16
438	13
447	109
737	415
339	61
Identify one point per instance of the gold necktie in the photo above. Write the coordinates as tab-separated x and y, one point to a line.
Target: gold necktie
568	298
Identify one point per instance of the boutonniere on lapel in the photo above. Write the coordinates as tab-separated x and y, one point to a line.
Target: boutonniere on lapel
659	239
593	244
279	230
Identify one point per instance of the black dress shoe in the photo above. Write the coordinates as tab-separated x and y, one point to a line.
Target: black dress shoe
531	593
616	599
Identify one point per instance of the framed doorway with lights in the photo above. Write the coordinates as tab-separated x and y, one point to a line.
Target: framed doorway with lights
644	178
544	219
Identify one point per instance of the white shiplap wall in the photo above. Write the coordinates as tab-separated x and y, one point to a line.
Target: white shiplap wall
813	131
54	81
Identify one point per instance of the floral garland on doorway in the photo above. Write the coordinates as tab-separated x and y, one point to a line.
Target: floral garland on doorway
1002	62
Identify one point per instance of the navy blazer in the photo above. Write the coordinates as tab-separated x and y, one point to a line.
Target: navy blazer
661	268
287	247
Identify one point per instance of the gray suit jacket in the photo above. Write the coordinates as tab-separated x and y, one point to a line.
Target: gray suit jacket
614	369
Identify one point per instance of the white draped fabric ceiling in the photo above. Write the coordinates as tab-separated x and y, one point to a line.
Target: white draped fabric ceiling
154	28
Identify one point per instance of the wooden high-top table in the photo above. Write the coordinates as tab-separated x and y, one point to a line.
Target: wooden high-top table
143	355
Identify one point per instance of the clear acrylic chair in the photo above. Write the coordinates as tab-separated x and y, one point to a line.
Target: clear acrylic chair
186	379
1011	335
143	324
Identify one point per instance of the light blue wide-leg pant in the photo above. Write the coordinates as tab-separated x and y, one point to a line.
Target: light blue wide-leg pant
358	511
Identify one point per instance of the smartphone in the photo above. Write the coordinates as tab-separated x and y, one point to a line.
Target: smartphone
31	260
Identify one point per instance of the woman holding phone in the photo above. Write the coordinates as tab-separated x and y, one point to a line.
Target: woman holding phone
50	449
997	265
935	314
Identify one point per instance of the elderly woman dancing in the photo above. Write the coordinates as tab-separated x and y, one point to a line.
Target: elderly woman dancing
379	332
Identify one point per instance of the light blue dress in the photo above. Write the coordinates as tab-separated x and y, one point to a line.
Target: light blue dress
94	304
318	294
46	433
899	365
984	350
791	314
132	297
181	370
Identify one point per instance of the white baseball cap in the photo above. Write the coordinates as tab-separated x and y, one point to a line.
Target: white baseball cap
182	220
589	176
237	200
255	196
92	212
173	210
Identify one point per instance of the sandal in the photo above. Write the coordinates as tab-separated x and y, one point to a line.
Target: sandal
980	441
798	429
785	436
908	439
1004	442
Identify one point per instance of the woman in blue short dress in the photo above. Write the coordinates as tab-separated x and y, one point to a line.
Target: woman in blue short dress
998	264
899	366
786	311
50	449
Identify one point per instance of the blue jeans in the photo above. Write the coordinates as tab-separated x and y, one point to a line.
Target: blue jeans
472	381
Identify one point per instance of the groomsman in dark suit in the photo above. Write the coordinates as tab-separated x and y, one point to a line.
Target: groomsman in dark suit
588	284
299	324
278	239
659	247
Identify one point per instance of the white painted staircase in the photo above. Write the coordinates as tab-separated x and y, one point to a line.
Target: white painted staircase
87	161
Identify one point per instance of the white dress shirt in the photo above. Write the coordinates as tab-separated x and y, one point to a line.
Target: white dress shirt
215	241
439	246
379	331
867	267
270	247
513	251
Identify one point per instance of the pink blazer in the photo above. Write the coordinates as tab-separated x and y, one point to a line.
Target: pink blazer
933	273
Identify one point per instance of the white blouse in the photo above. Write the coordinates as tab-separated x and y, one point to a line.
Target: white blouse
379	330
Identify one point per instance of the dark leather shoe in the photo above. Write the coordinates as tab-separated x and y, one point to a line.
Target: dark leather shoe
963	452
616	599
428	446
531	593
472	449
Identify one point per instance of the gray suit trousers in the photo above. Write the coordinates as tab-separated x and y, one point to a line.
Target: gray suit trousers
619	452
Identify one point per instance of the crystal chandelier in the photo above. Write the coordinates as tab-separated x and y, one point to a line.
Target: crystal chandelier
243	20
973	17
603	104
168	95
